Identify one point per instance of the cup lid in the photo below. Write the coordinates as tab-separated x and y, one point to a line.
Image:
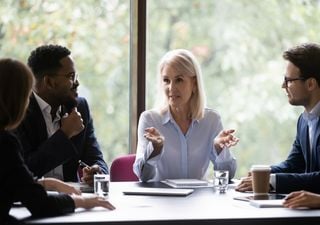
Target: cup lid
260	167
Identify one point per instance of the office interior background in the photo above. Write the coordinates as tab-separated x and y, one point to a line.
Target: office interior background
238	43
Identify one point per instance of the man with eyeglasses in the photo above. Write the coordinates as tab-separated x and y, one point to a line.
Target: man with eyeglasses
58	130
301	169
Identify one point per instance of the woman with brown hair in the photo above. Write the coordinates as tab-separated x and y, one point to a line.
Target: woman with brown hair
17	182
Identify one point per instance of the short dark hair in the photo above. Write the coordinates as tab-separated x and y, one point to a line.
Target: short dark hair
307	58
16	81
45	59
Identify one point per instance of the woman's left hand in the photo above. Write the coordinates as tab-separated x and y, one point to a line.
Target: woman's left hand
225	139
53	184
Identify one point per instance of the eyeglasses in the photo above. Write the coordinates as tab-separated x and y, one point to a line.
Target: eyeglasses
288	80
73	76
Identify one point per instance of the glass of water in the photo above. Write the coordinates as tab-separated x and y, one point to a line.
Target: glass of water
221	180
101	184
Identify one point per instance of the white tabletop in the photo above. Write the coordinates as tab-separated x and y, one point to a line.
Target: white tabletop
204	205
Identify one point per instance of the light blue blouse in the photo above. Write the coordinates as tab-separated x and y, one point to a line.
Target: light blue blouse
182	156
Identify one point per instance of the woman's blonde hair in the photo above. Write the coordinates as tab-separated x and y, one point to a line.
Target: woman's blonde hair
185	62
16	81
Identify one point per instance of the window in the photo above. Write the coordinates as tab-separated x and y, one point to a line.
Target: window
239	45
98	35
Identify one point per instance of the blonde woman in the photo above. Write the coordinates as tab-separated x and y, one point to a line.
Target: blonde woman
179	138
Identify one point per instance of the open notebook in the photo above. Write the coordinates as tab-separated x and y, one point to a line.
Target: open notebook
158	191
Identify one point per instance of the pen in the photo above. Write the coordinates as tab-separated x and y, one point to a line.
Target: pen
83	164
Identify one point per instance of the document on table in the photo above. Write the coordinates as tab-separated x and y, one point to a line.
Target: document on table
158	191
186	183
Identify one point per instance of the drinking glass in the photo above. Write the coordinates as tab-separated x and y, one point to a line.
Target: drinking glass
221	180
101	184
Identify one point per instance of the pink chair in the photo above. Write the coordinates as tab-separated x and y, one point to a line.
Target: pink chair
121	168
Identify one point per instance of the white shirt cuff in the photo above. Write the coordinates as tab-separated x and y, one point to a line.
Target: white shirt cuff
273	181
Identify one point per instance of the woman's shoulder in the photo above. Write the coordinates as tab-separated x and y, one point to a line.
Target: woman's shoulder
153	117
211	113
154	113
10	145
7	137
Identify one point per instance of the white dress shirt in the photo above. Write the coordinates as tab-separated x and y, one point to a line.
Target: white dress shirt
182	156
52	127
312	118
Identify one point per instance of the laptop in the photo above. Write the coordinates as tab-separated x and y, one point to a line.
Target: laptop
158	191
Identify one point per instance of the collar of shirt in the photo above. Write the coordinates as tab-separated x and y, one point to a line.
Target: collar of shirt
46	108
167	117
313	114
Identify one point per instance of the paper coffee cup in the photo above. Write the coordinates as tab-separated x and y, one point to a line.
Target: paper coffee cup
260	179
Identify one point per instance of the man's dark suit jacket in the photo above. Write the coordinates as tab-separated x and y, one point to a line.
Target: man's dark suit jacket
42	154
299	171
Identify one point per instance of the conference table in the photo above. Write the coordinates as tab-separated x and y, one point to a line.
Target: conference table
203	206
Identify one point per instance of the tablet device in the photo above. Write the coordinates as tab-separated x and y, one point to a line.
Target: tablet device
260	197
86	189
83	187
274	203
158	191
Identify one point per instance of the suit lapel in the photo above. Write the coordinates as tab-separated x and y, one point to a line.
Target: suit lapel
305	143
315	149
35	118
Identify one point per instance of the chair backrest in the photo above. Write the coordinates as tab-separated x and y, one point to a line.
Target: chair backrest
121	168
